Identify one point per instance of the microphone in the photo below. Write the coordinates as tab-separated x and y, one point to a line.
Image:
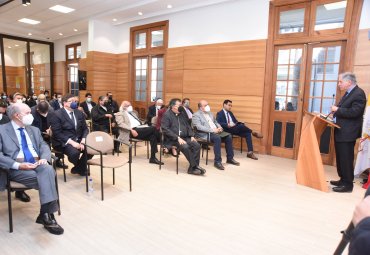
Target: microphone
327	116
347	234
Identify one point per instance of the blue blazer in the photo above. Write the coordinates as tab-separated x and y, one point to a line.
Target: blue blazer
222	120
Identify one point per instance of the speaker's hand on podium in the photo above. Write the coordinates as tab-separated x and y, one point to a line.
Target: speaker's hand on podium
334	108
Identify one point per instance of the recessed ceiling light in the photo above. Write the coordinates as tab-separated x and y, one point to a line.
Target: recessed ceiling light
61	8
29	21
169	6
140	13
16	45
30	34
60	33
114	20
75	29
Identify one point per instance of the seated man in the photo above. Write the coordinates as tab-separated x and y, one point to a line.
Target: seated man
187	110
153	110
87	105
26	155
230	124
205	123
3	117
129	125
69	130
179	132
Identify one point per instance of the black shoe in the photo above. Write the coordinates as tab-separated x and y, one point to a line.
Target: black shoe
251	155
21	195
194	171
155	161
343	189
336	183
49	222
233	162
219	166
117	151
59	164
74	171
201	169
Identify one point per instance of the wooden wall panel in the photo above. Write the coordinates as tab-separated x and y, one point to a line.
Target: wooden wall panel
102	81
122	63
363	48
174	81
60	78
246	81
101	61
1	80
363	77
175	59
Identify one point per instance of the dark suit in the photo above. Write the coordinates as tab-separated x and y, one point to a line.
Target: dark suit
239	129
152	112
349	117
41	122
360	238
63	128
5	119
86	109
55	104
41	178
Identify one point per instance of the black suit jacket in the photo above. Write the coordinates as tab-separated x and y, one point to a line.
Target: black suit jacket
86	109
37	122
349	116
99	120
55	104
63	127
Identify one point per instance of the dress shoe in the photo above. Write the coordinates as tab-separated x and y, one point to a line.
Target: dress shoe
219	166
233	162
155	161
74	171
257	135
343	189
201	169
49	222
194	171
336	183
21	195
251	155
59	164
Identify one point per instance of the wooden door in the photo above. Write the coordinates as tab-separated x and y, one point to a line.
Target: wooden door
286	112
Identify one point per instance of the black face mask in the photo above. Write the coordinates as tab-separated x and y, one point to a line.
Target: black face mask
106	104
181	108
110	98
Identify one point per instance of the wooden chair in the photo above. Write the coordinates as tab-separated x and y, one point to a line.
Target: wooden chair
161	153
241	141
58	155
102	144
135	141
12	186
204	142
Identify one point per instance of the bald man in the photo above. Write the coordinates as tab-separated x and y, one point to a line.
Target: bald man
129	125
153	110
25	156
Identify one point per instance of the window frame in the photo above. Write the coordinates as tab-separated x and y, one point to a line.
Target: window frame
75	58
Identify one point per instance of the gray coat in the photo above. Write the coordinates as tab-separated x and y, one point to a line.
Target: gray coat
201	124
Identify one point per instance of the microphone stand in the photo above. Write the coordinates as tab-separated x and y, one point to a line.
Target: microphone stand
331	111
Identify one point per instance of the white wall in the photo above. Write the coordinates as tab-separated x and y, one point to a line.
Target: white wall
60	46
365	15
226	22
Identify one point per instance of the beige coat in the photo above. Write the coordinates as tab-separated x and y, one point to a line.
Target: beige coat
124	125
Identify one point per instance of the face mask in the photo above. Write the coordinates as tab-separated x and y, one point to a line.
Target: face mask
105	104
110	98
34	97
158	107
27	119
19	101
186	104
88	100
1	116
46	94
181	108
23	100
59	99
74	105
129	109
207	108
4	97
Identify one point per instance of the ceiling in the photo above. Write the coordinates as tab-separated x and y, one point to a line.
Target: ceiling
52	23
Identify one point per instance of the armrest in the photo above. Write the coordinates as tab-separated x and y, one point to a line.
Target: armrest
127	144
92	148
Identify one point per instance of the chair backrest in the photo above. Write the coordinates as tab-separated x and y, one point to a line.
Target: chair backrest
101	141
154	120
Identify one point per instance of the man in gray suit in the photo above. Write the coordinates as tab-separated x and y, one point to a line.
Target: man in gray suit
206	125
25	155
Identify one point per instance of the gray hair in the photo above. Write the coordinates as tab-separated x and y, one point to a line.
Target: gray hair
13	109
348	76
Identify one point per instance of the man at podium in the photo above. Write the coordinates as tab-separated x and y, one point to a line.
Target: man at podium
347	114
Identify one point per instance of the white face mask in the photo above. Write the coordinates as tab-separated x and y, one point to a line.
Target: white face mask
27	119
59	99
19	101
129	109
159	107
207	108
1	116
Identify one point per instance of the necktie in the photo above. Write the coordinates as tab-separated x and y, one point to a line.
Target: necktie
228	118
73	119
341	100
26	151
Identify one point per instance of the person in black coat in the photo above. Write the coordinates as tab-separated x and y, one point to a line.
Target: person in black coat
361	234
348	115
112	103
57	102
69	131
153	110
87	105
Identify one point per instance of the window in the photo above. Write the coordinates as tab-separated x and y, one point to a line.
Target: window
73	52
292	21
330	15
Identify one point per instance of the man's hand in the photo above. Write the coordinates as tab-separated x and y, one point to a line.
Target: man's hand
75	145
220	129
215	130
193	139
362	211
113	124
134	133
42	162
27	166
181	141
109	116
334	108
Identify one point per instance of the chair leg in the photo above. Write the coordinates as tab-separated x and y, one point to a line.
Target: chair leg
57	188
202	150
160	155
87	178
177	163
64	169
129	173
102	186
114	177
207	154
135	148
10	211
147	150
241	144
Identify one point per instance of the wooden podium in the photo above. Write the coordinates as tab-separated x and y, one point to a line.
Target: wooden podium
310	170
